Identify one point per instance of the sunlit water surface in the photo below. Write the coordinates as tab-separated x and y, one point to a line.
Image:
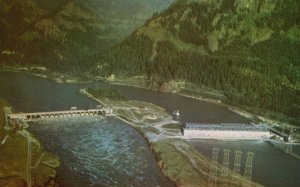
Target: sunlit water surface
99	152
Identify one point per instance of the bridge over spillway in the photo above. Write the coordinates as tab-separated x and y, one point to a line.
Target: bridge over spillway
58	114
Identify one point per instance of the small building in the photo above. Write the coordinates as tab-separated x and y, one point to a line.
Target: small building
225	131
73	108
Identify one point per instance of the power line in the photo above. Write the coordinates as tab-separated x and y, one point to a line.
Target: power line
289	148
225	172
212	181
29	160
248	168
237	162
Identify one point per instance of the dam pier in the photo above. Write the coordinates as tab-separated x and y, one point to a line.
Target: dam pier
28	117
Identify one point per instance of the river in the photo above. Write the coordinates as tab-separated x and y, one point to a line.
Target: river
100	152
127	160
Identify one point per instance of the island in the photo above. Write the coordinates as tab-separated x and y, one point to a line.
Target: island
177	159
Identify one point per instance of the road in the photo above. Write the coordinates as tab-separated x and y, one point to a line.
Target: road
29	156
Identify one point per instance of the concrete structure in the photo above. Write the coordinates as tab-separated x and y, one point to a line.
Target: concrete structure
285	137
225	131
237	162
7	111
289	148
248	167
57	114
213	174
225	172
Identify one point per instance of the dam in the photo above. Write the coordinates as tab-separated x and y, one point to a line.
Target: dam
225	131
56	114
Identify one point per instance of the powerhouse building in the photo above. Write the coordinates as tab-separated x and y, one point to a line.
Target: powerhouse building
225	131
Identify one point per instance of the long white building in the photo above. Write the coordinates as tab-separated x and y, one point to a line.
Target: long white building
225	131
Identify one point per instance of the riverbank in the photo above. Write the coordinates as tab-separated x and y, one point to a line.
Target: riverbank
184	89
42	72
176	87
177	159
208	95
23	159
63	88
285	147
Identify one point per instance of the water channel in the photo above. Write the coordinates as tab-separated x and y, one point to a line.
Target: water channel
93	152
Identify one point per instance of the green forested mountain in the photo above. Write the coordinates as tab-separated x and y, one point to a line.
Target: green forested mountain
122	17
58	34
250	50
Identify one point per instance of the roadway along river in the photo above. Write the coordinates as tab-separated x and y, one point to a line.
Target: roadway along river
98	156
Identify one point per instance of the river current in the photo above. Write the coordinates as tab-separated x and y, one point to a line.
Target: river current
99	152
107	152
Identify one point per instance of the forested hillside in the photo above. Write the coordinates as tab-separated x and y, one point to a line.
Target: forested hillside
249	50
58	34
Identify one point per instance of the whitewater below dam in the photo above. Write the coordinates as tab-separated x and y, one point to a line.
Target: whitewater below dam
97	151
107	152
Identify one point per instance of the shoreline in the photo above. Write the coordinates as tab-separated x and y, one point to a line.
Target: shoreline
132	125
233	108
48	77
138	82
283	147
180	147
236	109
149	146
25	159
144	134
43	167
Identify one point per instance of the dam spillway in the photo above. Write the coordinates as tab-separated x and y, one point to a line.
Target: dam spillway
57	114
225	131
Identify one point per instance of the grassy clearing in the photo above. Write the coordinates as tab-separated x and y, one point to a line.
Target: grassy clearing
124	114
136	111
187	167
177	166
3	103
171	126
151	129
13	157
178	160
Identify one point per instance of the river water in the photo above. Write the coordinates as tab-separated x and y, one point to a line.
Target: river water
100	152
107	152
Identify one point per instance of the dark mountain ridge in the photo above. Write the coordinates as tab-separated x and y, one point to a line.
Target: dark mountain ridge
58	34
248	50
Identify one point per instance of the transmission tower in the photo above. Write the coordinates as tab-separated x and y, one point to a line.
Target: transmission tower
248	168
289	148
214	168
290	134
283	130
225	172
7	110
237	162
